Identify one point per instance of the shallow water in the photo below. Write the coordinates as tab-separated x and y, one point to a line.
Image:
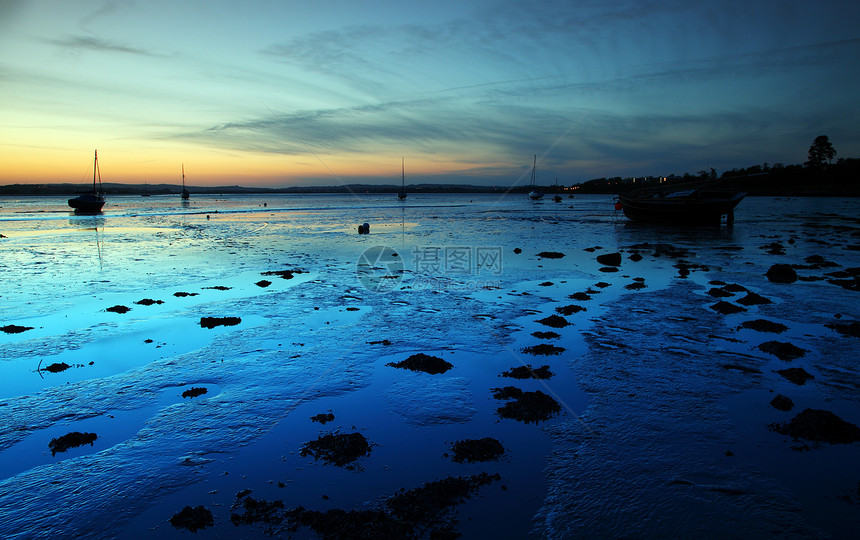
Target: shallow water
649	410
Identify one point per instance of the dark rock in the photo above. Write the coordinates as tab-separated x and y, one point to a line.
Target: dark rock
526	406
720	293
71	440
527	372
14	328
609	259
149	302
636	257
343	524
212	322
782	350
782	403
753	299
569	310
193	519
118	309
608	269
602	284
636	285
848	329
762	325
546	284
781	273
518	251
550	255
423	362
796	375
219	288
546	335
263	283
820	426
726	308
194	392
341	449
734	288
182	294
471	450
554	321
581	296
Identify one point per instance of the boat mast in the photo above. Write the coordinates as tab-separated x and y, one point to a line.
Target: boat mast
96	171
534	166
183	177
402	174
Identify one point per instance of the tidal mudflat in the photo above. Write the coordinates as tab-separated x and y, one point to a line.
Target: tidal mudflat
477	365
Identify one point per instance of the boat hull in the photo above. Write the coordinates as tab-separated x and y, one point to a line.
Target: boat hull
697	208
87	204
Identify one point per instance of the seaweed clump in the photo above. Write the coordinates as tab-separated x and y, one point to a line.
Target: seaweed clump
212	322
407	514
341	449
71	440
543	349
820	426
484	449
526	407
255	511
527	372
14	328
782	350
550	255
763	325
423	362
193	518
322	418
284	274
194	392
57	367
118	309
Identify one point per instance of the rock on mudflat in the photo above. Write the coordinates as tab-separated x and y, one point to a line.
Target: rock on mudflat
212	322
193	518
782	403
609	259
820	426
781	273
782	350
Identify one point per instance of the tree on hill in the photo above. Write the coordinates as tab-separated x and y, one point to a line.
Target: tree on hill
820	150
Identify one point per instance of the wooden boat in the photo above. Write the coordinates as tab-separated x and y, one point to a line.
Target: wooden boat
688	207
90	203
402	194
534	193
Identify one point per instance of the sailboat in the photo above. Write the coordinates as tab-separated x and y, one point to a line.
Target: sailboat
185	194
402	194
90	203
535	193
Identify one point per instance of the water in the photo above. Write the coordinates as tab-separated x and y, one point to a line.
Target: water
649	410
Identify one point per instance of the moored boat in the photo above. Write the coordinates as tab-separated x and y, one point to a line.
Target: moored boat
534	193
90	203
687	207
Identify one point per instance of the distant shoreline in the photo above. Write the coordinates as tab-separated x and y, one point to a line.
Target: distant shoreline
840	179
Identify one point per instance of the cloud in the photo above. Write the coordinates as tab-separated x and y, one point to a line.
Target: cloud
99	45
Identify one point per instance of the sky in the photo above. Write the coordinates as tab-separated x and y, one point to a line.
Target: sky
329	92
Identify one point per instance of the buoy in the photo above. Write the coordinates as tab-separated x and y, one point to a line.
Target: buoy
367	228
618	205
